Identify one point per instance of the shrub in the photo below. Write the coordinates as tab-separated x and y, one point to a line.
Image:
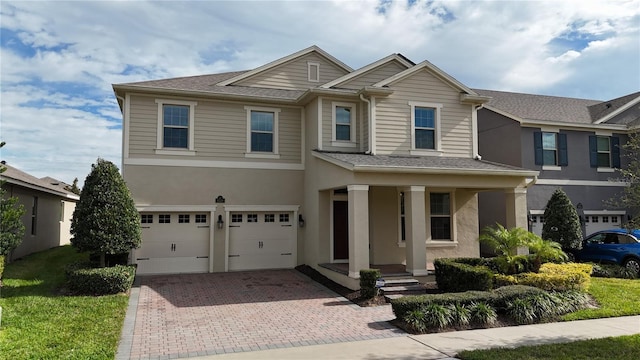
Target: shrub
570	301
436	316
1	265
460	314
368	279
553	277
406	304
506	294
483	314
99	281
415	320
612	271
545	305
561	222
521	311
455	276
500	280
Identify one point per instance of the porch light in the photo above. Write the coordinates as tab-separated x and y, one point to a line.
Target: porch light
300	220
220	222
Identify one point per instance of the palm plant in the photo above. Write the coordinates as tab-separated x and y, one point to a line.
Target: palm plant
545	250
505	243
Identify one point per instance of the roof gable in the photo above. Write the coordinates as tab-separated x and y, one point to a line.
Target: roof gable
264	68
49	185
368	69
607	110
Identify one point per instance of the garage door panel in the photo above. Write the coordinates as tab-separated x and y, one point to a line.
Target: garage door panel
172	265
261	261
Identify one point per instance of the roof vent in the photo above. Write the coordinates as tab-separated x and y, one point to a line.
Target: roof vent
3	162
608	105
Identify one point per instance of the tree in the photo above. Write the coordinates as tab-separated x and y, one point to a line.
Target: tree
74	187
11	226
105	220
561	222
630	197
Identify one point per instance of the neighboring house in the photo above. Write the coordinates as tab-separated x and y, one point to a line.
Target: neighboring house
48	208
307	161
575	144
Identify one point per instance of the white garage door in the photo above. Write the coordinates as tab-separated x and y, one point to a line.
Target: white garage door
261	240
593	223
174	243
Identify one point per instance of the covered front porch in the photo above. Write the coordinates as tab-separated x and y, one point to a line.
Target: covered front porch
402	220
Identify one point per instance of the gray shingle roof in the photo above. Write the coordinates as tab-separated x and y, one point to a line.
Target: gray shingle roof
598	111
541	107
47	184
445	164
207	84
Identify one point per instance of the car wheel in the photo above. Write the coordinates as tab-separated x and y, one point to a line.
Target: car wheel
632	264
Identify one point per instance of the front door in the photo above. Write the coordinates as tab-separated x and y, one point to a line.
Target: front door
340	230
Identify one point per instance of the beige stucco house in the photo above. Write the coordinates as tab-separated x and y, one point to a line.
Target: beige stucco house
48	210
307	161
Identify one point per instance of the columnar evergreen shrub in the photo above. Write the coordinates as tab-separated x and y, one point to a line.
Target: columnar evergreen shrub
105	220
561	222
368	278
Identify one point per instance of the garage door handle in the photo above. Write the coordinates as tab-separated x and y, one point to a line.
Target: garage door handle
286	225
234	225
202	257
203	226
286	254
142	258
145	227
234	255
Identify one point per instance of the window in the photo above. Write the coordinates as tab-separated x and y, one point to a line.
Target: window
34	216
542	219
201	218
313	70
284	218
252	218
604	151
425	124
605	219
269	218
236	218
594	219
534	219
614	219
550	149
164	219
262	132
586	219
175	127
440	216
403	220
343	121
146	218
183	218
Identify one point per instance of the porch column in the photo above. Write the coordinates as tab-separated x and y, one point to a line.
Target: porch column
358	229
416	230
516	206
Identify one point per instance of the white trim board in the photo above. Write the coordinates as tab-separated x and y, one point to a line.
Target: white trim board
567	182
214	164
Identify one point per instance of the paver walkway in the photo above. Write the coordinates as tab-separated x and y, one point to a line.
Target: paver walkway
206	314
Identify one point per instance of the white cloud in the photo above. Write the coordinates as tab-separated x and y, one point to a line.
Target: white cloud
58	106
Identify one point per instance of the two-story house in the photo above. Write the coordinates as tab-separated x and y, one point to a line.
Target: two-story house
575	144
307	161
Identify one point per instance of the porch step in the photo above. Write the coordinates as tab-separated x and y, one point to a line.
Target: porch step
399	282
403	289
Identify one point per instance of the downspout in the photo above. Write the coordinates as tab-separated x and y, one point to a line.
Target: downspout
474	130
124	138
369	141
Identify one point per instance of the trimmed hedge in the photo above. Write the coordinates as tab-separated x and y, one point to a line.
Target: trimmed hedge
552	277
99	281
463	274
368	278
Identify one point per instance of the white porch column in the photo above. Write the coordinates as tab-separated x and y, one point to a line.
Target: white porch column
516	206
358	229
416	230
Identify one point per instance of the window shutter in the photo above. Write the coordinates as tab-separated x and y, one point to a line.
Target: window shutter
563	156
593	150
537	146
615	152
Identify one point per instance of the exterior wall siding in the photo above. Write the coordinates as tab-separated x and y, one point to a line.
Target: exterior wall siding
294	74
374	76
393	116
220	131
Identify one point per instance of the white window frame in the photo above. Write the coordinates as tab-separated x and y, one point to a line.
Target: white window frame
260	154
352	124
313	69
160	149
437	131
452	215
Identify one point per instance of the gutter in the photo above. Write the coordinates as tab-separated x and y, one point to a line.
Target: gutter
370	145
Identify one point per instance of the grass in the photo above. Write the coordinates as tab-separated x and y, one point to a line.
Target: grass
40	321
615	297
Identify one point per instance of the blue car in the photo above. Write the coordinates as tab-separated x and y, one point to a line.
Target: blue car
617	246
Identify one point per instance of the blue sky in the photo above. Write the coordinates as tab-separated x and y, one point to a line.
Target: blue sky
58	113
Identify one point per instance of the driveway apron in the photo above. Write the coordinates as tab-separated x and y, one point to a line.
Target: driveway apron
180	316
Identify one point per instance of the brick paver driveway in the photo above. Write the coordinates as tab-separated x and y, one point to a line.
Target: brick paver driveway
205	314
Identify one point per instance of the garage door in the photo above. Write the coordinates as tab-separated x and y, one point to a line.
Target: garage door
261	240
174	243
593	223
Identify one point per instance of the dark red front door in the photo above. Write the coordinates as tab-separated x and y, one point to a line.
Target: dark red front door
340	230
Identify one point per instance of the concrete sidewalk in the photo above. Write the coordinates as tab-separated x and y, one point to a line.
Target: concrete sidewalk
447	345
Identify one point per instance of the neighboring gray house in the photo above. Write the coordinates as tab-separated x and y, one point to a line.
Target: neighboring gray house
48	208
575	144
305	160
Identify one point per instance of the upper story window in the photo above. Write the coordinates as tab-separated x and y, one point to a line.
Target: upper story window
604	151
313	70
343	124
175	127
425	128
550	149
262	132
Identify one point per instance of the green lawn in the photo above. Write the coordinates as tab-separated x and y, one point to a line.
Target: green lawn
615	297
40	322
